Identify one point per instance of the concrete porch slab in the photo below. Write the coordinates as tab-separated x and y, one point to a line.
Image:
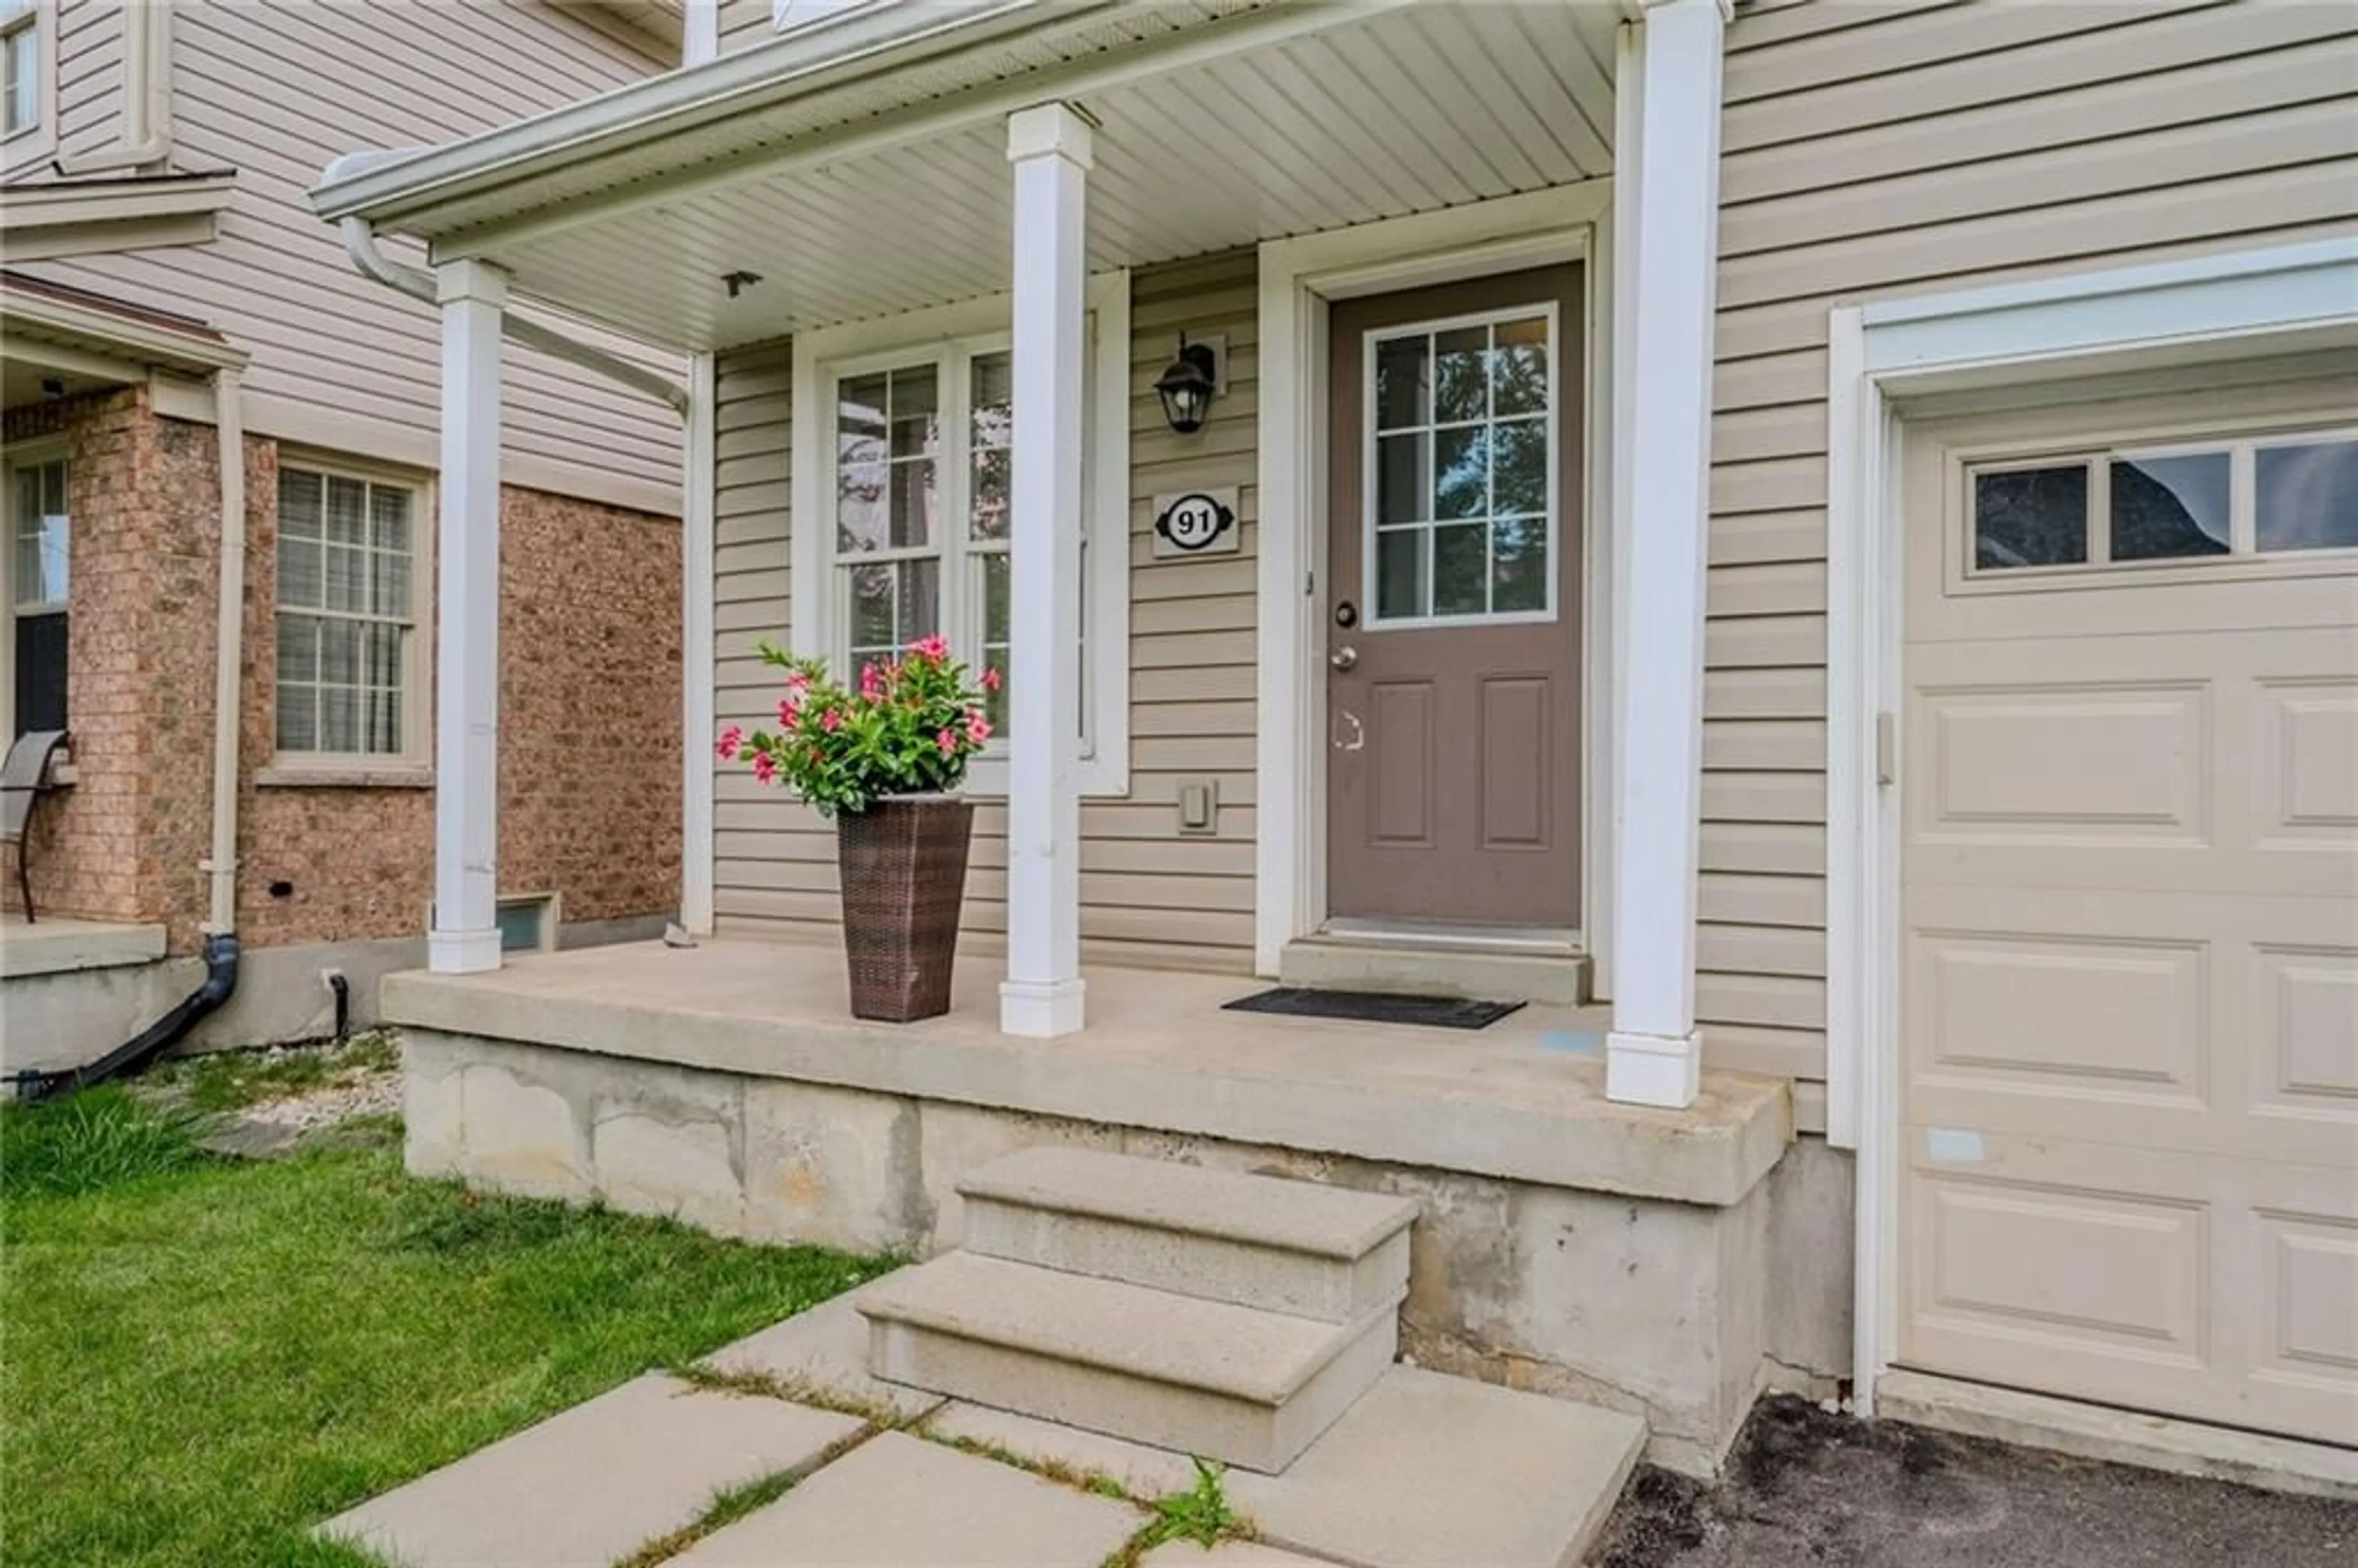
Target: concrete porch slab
56	946
1524	1100
897	1501
824	1349
591	1485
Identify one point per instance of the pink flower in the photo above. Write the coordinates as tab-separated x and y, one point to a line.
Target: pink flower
764	768
831	721
946	740
978	728
731	739
789	711
990	680
797	682
934	647
872	681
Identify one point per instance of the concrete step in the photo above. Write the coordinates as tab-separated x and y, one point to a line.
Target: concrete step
1297	1247
1205	1378
1467	968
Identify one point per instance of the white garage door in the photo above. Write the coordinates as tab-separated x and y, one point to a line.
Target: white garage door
2130	911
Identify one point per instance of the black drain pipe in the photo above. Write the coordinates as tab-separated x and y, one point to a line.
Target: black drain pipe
221	980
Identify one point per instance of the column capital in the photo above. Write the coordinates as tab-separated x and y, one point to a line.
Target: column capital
471	279
1050	130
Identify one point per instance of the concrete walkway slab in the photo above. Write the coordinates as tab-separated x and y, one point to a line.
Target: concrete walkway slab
593	1484
1433	1472
1227	1554
1143	1472
824	1349
897	1501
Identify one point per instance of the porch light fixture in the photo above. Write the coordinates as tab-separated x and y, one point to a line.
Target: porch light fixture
1186	386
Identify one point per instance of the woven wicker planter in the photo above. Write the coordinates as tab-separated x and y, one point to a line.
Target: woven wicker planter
904	862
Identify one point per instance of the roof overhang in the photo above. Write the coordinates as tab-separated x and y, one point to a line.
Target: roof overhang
57	341
78	217
860	170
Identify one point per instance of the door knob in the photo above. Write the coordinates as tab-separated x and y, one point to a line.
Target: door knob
1344	657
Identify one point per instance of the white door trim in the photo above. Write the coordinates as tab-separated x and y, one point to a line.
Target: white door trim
1299	277
2281	299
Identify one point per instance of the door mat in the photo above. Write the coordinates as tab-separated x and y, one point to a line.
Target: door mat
1375	1007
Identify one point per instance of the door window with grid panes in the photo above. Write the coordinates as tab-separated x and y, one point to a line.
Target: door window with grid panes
347	614
1460	488
922	469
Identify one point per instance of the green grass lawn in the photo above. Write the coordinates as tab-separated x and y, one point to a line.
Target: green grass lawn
201	1360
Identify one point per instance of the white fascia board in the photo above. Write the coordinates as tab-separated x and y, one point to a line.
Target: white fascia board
78	327
83	201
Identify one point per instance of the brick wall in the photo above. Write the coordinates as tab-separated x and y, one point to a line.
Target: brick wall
123	842
590	693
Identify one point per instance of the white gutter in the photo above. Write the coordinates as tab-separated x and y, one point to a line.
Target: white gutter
359	244
229	651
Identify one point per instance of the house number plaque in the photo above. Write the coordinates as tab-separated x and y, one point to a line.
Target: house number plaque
1195	522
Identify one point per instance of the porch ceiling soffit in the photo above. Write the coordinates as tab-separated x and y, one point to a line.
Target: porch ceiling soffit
1221	125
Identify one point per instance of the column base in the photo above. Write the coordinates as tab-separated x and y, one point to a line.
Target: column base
463	952
1042	1010
1654	1069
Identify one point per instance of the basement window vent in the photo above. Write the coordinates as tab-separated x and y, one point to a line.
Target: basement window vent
528	923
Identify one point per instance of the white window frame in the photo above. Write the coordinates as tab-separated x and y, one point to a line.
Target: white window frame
414	760
37	140
31	455
1371	529
953	335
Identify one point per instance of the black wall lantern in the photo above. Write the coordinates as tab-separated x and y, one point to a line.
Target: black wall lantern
1186	386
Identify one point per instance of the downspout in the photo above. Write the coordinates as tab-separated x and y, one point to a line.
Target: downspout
221	866
228	653
359	244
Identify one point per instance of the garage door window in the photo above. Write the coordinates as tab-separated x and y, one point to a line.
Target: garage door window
2178	504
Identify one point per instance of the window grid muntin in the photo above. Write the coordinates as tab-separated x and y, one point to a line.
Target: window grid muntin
960	608
1428	428
2097	462
343	670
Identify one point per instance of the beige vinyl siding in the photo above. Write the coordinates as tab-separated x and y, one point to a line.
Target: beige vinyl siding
90	43
273	92
1148	896
744	23
1876	151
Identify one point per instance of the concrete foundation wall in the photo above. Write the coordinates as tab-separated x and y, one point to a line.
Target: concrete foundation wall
74	1016
1672	1310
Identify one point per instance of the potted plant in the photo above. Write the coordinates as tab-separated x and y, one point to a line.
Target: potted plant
881	761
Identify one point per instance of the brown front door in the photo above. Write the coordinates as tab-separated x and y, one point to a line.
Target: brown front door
1453	603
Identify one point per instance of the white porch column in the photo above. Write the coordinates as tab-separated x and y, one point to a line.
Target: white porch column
1666	269
466	937
1041	995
